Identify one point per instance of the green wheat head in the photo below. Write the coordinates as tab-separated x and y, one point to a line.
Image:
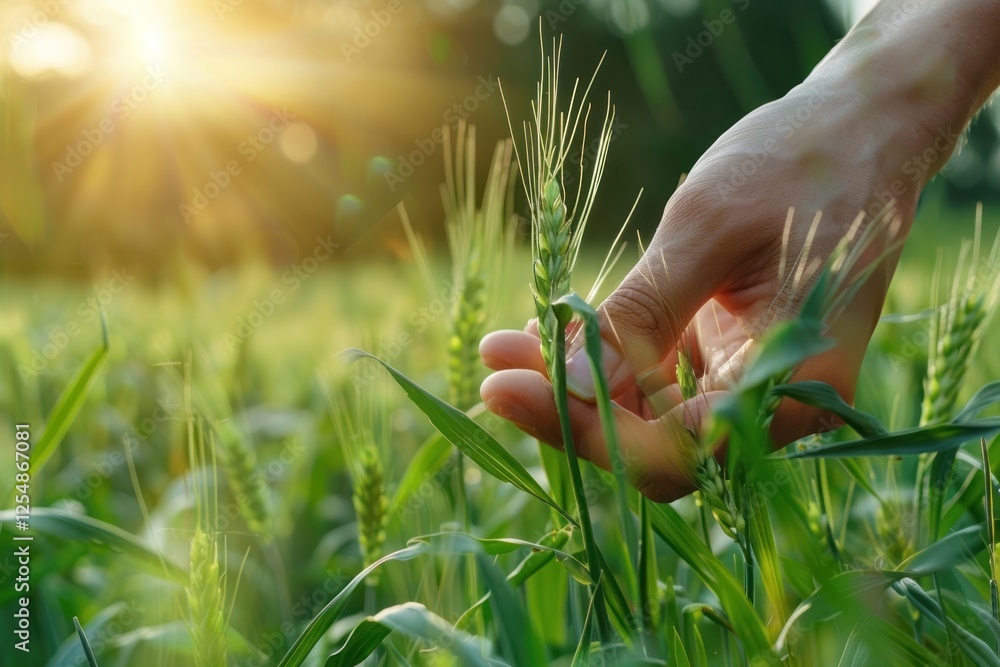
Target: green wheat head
240	465
558	218
956	330
370	502
480	238
708	477
206	588
204	595
362	431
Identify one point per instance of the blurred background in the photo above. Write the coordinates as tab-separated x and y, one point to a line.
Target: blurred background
173	137
221	179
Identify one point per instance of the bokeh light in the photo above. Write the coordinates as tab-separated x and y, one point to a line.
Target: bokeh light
298	142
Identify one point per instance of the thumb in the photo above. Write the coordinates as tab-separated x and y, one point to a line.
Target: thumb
642	320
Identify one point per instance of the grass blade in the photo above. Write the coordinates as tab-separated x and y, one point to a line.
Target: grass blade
679	656
71	652
541	555
841	594
784	347
991	535
822	395
891	645
692	635
471	438
430	458
63	525
746	624
581	657
649	610
936	438
766	553
975	648
462	543
415	621
324	620
983	399
69	403
515	629
87	650
946	552
592	342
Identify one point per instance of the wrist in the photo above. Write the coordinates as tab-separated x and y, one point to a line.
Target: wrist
917	74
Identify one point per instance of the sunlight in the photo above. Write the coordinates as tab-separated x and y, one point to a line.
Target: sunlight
54	48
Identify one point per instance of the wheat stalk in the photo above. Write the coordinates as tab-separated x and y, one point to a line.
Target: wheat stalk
204	594
362	432
556	226
206	588
240	465
956	331
480	240
556	231
712	486
370	503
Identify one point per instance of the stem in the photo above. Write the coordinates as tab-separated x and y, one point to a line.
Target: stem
822	492
745	545
465	509
922	463
748	570
704	518
590	543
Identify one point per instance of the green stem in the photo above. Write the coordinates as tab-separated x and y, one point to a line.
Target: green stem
745	545
748	570
922	465
704	519
590	543
823	492
471	569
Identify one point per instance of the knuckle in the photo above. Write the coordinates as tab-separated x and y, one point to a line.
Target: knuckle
636	309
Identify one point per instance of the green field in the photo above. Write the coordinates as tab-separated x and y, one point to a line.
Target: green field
230	399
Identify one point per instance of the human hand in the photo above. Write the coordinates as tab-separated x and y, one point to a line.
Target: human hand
842	155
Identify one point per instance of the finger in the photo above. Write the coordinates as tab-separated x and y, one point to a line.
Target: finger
658	454
643	318
503	350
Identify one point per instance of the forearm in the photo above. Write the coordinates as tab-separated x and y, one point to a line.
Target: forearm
924	66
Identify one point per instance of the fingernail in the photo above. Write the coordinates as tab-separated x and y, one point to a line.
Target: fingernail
580	379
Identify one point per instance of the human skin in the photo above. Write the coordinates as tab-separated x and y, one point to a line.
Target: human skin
861	136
